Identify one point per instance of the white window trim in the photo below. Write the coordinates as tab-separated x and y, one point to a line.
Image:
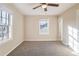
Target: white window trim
11	26
43	33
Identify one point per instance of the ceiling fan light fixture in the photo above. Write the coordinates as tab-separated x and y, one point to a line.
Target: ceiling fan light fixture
44	6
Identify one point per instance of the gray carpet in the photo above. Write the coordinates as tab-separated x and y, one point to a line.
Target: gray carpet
41	49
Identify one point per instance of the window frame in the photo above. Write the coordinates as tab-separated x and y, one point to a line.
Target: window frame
40	30
7	25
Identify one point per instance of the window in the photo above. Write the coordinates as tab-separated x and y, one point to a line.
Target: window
44	26
5	19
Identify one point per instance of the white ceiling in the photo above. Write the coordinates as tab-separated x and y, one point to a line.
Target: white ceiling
27	8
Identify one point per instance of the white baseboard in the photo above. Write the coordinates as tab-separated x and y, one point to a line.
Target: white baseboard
13	48
40	40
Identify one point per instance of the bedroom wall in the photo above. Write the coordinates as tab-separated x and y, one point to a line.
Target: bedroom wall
32	28
17	30
71	27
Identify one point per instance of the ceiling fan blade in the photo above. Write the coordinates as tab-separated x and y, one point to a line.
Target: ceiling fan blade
42	3
56	5
37	7
45	9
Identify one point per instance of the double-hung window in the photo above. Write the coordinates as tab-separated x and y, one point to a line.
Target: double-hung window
5	19
44	27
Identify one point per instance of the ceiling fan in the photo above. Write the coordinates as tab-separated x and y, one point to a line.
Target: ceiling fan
44	5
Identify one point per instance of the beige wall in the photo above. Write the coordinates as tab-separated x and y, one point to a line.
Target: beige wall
32	28
17	29
71	27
